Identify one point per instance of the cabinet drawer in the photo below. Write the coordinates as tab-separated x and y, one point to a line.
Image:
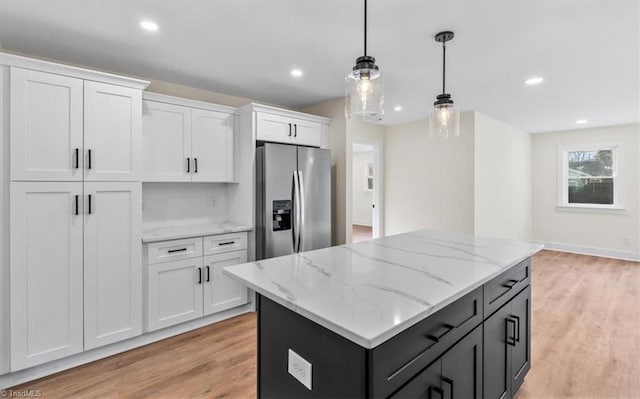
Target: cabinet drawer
403	356
225	243
167	251
501	289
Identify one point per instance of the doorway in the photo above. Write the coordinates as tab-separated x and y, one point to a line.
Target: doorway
366	184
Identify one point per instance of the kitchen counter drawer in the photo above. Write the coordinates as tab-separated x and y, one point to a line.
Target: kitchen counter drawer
225	243
501	289
167	251
403	356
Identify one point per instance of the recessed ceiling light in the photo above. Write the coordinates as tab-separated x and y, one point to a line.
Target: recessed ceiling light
534	81
581	121
296	73
397	108
149	25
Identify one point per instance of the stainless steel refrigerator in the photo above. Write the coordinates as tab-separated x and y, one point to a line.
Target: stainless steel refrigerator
293	199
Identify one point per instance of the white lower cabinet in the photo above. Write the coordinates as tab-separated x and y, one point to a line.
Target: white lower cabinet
66	299
221	292
45	272
186	289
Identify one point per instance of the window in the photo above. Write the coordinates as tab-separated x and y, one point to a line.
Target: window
368	177
589	176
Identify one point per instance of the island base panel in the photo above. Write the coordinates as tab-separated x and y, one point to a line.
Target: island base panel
338	365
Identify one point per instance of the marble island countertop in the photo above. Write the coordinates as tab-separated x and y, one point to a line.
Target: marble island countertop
370	291
191	230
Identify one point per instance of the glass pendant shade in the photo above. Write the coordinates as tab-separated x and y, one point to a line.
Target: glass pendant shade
444	121
364	95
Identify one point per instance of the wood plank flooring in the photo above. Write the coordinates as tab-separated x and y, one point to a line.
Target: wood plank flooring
361	233
585	344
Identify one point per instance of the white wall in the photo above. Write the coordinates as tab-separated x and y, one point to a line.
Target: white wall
502	180
362	199
429	183
605	230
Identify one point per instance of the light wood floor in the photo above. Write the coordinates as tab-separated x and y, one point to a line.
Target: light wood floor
585	344
361	233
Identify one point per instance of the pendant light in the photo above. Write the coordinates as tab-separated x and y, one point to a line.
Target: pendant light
445	116
364	90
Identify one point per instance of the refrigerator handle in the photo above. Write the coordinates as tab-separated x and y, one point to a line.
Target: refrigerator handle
294	196
301	208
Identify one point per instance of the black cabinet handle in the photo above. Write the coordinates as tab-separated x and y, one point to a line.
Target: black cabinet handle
437	390
208	274
176	250
199	275
89	159
188	165
510	338
450	382
517	328
226	243
510	284
77	155
89	204
195	165
289	130
437	338
77	211
295	130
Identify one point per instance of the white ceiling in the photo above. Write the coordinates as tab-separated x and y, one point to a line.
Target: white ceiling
587	51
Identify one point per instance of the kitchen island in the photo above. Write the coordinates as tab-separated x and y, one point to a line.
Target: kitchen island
421	314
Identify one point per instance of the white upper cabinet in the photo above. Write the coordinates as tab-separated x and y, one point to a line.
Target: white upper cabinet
112	262
166	142
46	272
185	140
212	146
46	126
112	132
284	126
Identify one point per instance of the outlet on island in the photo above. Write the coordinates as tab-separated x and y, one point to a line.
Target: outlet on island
300	369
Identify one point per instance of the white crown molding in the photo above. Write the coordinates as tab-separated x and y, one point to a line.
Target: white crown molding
253	107
186	102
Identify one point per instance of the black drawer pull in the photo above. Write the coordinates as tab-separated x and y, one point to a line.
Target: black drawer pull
199	275
450	382
289	130
437	338
176	250
226	243
195	165
510	338
517	328
510	284
77	212
89	204
89	160
188	165
208	274
295	130
77	151
435	389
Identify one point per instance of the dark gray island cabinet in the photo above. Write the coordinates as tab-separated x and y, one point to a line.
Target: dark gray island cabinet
474	343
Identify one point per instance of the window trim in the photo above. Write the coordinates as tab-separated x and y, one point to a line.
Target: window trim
618	176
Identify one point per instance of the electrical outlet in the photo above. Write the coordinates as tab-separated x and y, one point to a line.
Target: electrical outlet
300	369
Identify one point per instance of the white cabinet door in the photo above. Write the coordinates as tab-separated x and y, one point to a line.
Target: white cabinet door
211	146
46	272
112	132
46	126
174	293
221	292
166	142
307	132
112	262
274	128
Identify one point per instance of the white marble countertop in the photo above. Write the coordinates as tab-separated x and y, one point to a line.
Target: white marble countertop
191	230
370	291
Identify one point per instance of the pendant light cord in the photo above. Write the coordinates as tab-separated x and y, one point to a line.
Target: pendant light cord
444	64
365	27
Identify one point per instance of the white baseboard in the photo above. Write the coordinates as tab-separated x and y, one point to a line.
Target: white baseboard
11	379
362	223
584	250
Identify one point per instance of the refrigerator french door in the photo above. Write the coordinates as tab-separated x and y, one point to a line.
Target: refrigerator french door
293	199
